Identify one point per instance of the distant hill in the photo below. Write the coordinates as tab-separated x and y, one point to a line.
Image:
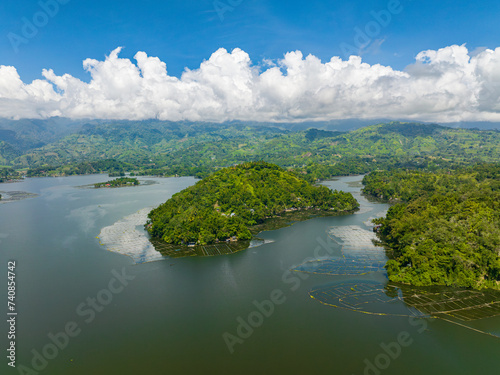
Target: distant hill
27	134
7	153
134	142
137	142
185	148
398	138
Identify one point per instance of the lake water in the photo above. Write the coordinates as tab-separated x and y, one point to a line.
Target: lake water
174	316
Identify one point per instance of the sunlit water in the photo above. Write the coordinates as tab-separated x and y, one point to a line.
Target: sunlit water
183	316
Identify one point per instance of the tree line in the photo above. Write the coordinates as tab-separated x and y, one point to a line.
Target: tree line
444	228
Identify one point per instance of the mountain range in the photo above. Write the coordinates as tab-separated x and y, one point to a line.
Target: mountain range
187	148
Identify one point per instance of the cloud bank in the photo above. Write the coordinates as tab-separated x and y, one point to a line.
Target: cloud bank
446	85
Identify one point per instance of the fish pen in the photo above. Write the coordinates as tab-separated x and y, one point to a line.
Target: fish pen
457	306
359	254
179	251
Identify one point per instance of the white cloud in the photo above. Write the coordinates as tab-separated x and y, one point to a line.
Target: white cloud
450	84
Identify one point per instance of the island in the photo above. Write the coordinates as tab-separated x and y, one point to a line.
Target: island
232	203
444	228
118	182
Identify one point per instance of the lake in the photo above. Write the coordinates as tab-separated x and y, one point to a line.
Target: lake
85	310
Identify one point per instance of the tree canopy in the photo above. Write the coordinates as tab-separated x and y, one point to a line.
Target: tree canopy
229	202
118	182
446	230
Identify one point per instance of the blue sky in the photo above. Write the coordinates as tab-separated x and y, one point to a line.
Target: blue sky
184	33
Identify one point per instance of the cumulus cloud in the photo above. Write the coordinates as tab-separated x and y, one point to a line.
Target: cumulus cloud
446	85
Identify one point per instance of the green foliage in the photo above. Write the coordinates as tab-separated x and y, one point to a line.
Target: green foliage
447	231
116	174
169	149
7	152
28	134
229	202
107	165
7	174
312	134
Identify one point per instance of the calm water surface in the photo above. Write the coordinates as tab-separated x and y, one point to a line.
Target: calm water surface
170	319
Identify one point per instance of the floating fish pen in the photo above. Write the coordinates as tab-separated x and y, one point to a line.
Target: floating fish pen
340	266
462	304
179	251
457	306
359	254
368	297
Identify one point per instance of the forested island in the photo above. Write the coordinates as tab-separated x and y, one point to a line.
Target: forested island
118	182
229	203
445	228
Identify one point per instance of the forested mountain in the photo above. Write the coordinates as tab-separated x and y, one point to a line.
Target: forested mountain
229	202
28	134
165	148
7	153
138	142
446	231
